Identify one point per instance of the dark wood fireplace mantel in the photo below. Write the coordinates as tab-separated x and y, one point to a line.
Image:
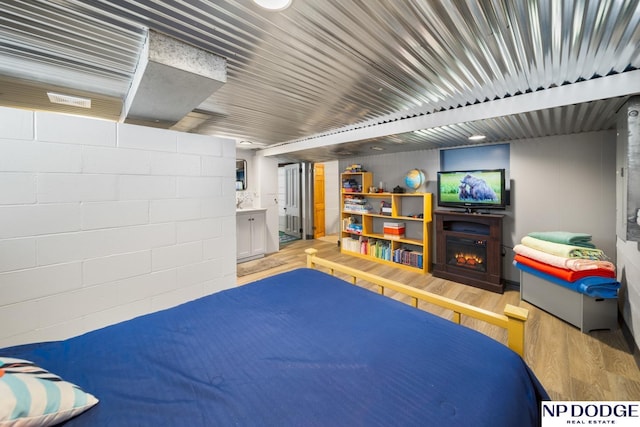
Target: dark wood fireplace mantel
468	249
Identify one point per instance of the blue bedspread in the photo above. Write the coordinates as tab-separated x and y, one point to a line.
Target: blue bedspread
301	348
593	286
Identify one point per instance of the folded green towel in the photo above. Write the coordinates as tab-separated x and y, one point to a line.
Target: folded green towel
562	249
565	237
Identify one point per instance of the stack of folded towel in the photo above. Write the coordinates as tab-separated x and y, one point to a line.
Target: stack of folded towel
568	259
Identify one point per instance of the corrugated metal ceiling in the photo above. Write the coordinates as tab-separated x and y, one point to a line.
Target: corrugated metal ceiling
322	66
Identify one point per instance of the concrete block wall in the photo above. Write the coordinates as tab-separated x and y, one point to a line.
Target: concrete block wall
101	222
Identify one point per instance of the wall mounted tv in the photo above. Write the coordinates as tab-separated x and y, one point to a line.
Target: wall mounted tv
472	189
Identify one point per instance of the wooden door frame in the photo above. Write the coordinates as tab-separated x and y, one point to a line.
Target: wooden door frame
319	227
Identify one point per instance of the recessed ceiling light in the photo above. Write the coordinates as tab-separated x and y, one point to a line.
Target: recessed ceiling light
476	137
273	5
76	101
246	142
376	148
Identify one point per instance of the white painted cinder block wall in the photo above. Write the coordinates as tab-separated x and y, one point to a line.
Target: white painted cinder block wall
101	222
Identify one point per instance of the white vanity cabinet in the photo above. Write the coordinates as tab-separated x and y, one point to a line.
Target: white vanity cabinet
251	234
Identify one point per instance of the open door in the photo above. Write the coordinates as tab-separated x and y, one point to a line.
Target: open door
292	214
318	201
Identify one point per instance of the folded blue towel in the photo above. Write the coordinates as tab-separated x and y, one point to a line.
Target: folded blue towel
596	287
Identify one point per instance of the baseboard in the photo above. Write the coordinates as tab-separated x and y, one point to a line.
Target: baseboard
512	285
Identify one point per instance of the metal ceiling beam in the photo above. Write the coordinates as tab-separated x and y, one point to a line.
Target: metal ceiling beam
623	84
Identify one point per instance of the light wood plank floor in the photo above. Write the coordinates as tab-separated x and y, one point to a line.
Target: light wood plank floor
571	365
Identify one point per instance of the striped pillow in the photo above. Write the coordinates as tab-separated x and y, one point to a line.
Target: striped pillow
31	396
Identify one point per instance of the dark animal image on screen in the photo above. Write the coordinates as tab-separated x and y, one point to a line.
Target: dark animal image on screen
476	189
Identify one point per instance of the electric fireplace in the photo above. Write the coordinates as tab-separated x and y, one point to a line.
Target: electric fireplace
468	249
467	253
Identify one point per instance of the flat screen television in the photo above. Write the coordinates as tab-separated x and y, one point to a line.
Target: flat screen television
472	189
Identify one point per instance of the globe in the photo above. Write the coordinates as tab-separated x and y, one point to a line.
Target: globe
414	179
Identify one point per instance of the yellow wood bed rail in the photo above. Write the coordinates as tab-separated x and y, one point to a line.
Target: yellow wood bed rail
512	320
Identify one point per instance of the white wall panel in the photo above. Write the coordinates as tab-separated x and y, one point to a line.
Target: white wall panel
61	188
179	296
146	286
22	156
174	210
143	187
16	254
76	304
200	144
220	269
115	161
66	247
33	220
217	166
203	229
199	187
11	327
213	286
114	214
17	188
67	129
93	232
176	255
132	136
115	267
16	124
173	164
98	319
192	274
214	248
24	285
221	206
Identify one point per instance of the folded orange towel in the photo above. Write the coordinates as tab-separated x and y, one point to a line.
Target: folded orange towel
563	273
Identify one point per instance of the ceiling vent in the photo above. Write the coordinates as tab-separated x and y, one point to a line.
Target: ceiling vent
172	79
74	101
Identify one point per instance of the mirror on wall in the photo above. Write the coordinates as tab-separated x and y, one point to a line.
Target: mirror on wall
241	174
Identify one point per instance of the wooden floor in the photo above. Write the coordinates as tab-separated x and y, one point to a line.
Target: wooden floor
570	364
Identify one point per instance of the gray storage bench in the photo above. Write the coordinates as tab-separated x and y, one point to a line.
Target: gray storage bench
585	312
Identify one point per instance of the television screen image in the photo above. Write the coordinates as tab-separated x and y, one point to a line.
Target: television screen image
472	189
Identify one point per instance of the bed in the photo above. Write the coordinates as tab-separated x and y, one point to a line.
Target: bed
299	348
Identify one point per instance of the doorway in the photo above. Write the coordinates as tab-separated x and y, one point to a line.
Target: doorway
289	203
302	201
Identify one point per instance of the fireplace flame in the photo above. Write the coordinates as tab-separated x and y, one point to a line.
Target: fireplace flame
468	259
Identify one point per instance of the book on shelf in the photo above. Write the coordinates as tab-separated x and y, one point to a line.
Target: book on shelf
356	210
356	204
365	246
351	244
351	186
394	236
408	257
393	224
380	249
394	230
